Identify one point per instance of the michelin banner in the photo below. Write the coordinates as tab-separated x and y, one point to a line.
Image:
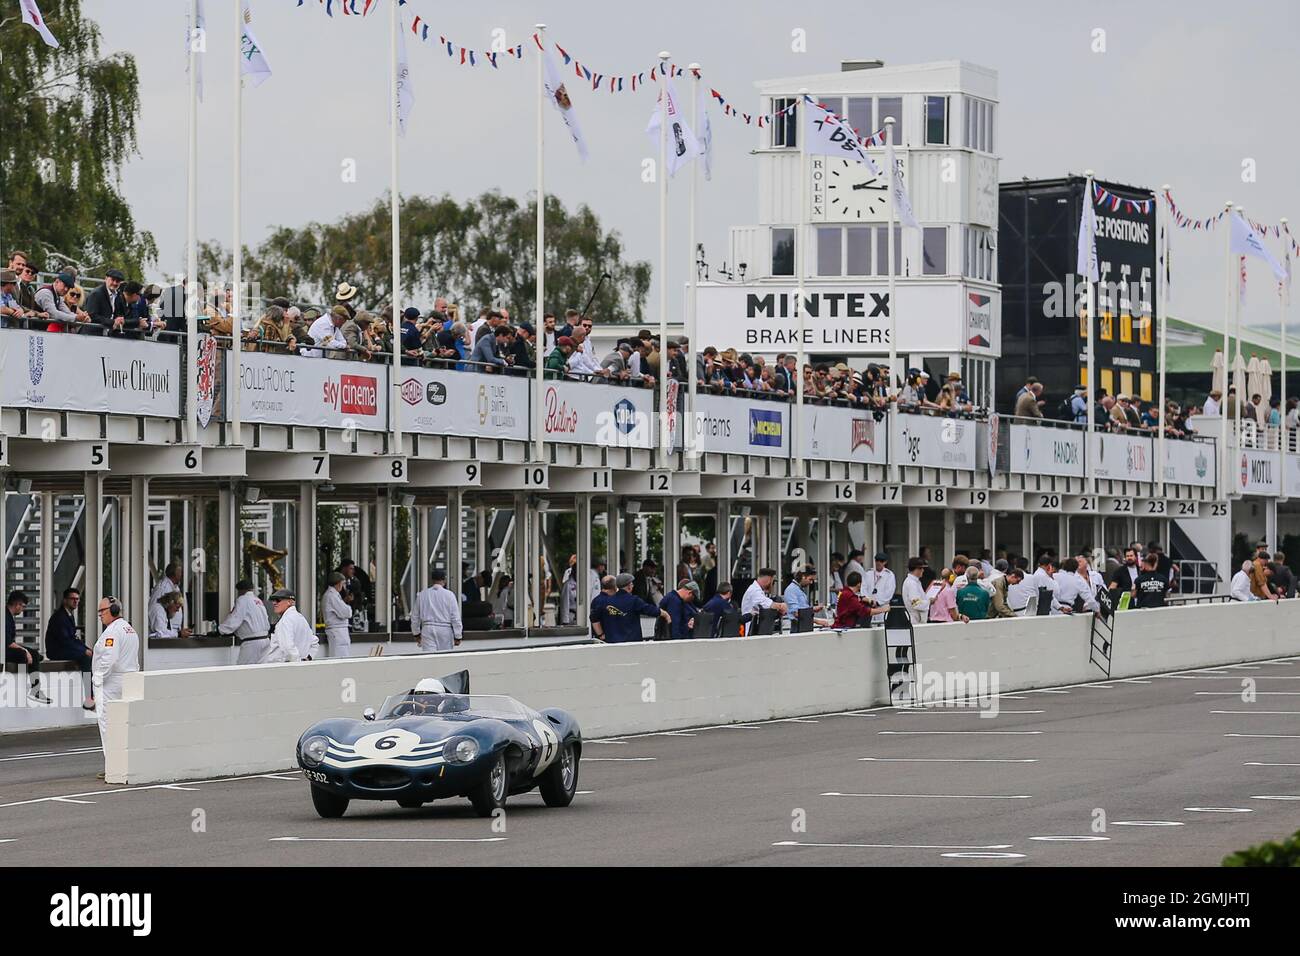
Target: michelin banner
446	402
90	373
292	390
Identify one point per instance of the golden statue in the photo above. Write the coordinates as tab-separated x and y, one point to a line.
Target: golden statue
266	556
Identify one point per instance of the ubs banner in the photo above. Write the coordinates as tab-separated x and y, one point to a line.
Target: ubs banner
592	414
293	390
1127	457
853	317
440	402
90	373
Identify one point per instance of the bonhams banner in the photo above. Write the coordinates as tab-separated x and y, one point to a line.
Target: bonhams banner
90	373
741	426
444	402
293	390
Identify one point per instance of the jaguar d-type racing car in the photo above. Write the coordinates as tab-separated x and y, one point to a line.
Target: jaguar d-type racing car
429	743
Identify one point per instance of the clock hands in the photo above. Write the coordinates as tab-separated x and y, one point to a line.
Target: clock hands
868	185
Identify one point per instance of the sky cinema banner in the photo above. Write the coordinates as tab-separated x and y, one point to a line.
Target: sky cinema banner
852	317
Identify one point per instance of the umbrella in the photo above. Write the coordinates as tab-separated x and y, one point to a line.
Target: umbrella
1266	380
1254	386
1217	372
1239	374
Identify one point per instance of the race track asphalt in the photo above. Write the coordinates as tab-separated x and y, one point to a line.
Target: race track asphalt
1166	770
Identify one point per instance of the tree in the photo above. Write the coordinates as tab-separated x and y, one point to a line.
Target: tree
66	130
478	253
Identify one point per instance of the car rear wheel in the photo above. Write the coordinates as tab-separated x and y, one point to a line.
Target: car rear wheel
490	793
328	805
560	782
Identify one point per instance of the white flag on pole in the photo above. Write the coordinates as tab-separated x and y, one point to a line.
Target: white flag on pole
682	144
1241	278
1086	264
254	64
405	88
554	92
1284	287
32	17
902	203
1247	241
196	41
705	134
825	135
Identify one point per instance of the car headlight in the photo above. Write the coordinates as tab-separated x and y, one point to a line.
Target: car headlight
460	750
313	750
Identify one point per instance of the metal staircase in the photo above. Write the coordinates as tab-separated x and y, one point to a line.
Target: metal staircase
24	558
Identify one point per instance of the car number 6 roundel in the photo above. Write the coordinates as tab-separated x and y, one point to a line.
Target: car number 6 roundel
387	743
550	745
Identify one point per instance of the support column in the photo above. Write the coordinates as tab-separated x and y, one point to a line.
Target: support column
1098	532
92	586
949	536
533	575
723	535
421	546
308	584
671	544
229	547
482	547
1062	536
914	533
823	560
990	535
773	551
1270	523
520	584
871	543
630	552
45	599
384	560
455	540
1027	537
614	562
4	536
137	551
583	520
362	555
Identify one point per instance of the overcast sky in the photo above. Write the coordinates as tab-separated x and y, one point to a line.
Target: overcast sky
1184	93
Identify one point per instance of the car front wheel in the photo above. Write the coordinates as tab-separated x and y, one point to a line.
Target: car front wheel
328	805
560	781
490	793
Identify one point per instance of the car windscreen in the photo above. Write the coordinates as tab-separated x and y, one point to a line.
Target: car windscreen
465	706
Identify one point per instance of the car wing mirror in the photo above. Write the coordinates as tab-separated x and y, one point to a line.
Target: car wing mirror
368	713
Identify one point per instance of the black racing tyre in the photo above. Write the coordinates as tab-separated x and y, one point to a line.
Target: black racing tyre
410	803
328	805
489	794
560	781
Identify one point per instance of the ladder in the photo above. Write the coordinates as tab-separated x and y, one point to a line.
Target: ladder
1101	636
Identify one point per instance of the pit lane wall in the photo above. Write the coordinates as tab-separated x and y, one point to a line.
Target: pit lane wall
208	722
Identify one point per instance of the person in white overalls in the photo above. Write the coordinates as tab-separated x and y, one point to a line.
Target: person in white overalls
337	615
116	653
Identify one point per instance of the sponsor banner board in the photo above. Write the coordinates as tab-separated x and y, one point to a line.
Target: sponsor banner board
1042	450
740	426
470	404
934	442
594	414
1124	457
295	390
1190	462
843	434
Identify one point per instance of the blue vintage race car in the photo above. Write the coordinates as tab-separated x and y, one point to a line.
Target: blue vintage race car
429	743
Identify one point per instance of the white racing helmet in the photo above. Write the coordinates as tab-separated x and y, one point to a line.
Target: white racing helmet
430	685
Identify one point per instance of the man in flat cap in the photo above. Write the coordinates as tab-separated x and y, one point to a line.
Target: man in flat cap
294	639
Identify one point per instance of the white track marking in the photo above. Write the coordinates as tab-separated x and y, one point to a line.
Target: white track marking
1218	809
617	759
1102	686
1069	839
1146	823
796	720
896	846
1047	692
1267	736
71	800
932	733
738	727
951	759
611	740
53	753
984	856
936	796
962	711
1259	713
1234	677
1134	680
1280	796
8	841
1259	763
1237	693
297	839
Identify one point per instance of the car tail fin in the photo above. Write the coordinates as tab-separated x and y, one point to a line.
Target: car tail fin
457	683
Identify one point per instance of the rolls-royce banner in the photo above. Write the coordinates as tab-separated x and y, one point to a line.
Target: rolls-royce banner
445	402
843	434
934	442
852	317
1190	462
741	426
1259	472
1042	450
1124	457
90	373
293	390
592	414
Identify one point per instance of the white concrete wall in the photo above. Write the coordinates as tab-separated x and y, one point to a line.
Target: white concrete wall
174	725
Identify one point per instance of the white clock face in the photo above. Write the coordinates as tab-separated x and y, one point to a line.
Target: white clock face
986	192
845	190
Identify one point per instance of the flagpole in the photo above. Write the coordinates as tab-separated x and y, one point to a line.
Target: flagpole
1090	334
800	251
665	437
191	243
688	421
1236	327
1160	316
394	24
237	251
1233	276
890	395
1284	296
539	309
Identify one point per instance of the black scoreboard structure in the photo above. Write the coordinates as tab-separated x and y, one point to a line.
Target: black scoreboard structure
1044	314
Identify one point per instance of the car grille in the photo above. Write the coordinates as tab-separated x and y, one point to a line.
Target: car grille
381	778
